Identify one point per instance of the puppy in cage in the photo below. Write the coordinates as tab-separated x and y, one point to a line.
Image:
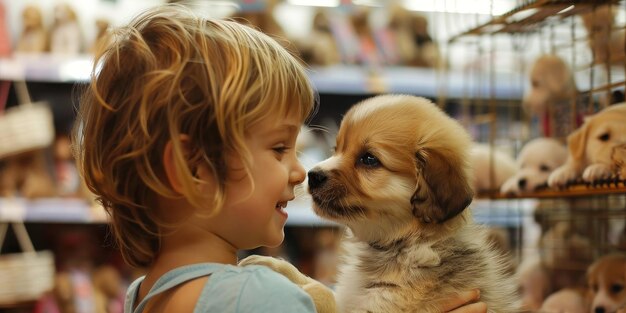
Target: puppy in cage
606	41
552	88
606	279
535	162
591	148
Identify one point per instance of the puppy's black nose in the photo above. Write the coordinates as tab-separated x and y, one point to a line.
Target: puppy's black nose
317	178
522	183
599	310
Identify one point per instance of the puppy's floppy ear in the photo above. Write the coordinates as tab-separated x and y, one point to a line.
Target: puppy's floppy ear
576	144
443	189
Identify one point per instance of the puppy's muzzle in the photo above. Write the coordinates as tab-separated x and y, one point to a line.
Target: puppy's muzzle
317	178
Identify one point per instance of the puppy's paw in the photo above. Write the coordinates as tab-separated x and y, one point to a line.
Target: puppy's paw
277	265
561	176
597	172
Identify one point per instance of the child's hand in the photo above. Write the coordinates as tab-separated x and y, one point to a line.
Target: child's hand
465	303
322	296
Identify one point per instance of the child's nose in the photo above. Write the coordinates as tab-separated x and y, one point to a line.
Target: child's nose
298	174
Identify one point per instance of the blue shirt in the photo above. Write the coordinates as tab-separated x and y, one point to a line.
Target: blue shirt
252	288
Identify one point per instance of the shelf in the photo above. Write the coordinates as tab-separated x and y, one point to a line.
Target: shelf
492	212
529	16
339	79
577	190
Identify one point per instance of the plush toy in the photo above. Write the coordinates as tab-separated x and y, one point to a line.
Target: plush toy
26	175
322	296
320	46
33	38
65	36
107	285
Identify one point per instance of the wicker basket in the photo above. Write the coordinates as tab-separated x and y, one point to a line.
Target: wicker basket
25	276
28	126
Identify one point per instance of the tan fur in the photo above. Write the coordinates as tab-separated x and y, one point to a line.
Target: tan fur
400	181
568	300
26	175
618	161
33	38
537	159
551	81
605	40
590	147
490	175
606	279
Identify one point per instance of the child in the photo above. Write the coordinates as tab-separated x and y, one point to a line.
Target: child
186	134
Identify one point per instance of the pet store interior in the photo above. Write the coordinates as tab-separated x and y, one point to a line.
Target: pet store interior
538	84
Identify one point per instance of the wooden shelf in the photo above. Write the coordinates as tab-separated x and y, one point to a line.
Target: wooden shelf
338	79
576	190
529	16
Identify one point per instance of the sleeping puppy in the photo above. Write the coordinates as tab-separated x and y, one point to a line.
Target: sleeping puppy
606	279
590	147
537	159
490	175
618	160
400	181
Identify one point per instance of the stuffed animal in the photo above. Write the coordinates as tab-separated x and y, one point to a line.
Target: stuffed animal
26	175
65	36
33	38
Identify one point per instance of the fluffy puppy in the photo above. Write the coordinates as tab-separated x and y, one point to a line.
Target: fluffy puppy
606	279
490	175
568	300
605	41
590	147
537	159
399	180
551	81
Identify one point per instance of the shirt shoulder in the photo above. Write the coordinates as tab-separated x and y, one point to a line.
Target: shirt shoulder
253	288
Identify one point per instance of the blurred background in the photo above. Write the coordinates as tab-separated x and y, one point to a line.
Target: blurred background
521	76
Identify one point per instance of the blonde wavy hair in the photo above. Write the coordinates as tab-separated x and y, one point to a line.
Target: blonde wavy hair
171	73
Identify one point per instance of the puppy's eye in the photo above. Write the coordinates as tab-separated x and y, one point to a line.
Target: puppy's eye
617	288
604	137
369	160
544	168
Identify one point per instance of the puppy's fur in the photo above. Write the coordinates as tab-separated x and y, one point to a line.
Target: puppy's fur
490	175
590	147
618	161
400	181
605	41
537	159
568	300
606	278
551	81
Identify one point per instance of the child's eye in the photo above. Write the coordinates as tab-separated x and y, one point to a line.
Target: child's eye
280	149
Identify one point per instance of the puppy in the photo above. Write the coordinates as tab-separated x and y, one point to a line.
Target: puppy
568	300
490	175
537	159
400	181
550	97
605	41
606	278
551	81
590	147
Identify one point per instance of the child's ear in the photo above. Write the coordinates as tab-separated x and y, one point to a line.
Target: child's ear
175	156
